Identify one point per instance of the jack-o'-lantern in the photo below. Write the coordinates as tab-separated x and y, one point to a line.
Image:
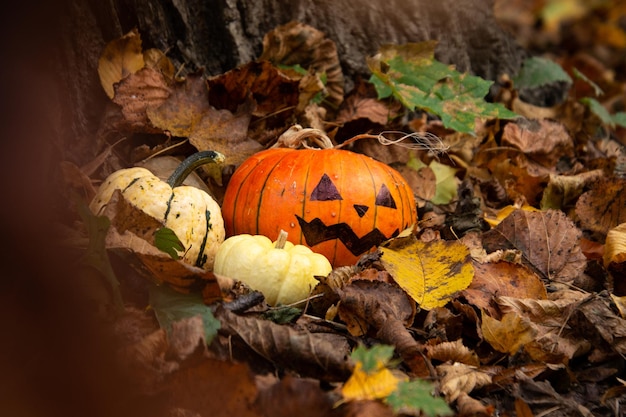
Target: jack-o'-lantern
339	203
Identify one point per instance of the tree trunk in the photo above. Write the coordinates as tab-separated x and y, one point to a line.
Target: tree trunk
218	35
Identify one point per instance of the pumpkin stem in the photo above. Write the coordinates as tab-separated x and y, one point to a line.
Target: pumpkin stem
191	163
298	137
282	239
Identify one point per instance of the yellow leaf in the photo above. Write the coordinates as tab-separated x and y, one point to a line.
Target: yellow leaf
505	211
369	386
431	273
120	58
615	246
508	335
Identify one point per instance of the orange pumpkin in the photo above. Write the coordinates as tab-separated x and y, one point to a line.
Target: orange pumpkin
339	203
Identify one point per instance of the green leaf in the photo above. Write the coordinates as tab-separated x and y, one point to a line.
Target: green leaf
619	118
416	398
282	315
599	110
373	358
166	240
412	75
171	306
537	72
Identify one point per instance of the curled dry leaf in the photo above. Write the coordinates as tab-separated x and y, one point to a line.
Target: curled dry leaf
318	355
615	257
387	311
508	335
457	378
453	352
604	206
137	93
296	43
549	242
502	279
120	58
563	190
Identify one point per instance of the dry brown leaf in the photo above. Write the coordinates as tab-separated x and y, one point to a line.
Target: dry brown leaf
120	58
453	352
317	355
509	334
296	43
544	397
604	206
458	378
275	93
543	141
548	242
227	133
137	93
157	60
385	310
522	179
595	318
502	279
563	190
212	388
293	396
468	406
359	107
184	108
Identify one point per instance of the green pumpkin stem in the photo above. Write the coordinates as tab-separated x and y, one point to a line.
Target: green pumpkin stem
191	163
282	239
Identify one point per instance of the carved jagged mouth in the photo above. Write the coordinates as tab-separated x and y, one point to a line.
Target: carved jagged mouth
316	231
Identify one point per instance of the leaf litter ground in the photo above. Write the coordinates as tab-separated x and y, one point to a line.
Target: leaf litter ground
506	299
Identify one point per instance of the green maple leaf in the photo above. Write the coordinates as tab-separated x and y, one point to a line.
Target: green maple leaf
416	398
411	74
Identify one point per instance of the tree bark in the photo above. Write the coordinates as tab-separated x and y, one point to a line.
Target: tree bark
218	35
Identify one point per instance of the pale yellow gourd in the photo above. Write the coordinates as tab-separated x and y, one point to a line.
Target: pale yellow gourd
191	213
284	274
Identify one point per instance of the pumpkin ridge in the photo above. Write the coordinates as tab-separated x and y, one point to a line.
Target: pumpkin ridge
275	165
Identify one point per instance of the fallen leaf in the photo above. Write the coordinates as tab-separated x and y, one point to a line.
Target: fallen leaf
120	58
212	388
227	133
614	257
502	279
411	74
547	240
458	378
293	396
297	43
138	92
416	398
275	94
604	206
184	108
453	352
562	191
431	273
373	385
317	355
508	335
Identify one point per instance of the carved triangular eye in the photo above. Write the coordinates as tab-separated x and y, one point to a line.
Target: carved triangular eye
360	209
325	190
384	198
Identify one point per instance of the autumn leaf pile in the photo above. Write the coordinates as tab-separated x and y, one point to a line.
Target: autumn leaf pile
507	297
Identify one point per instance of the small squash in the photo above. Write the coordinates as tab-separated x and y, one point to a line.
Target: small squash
339	203
190	212
285	273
